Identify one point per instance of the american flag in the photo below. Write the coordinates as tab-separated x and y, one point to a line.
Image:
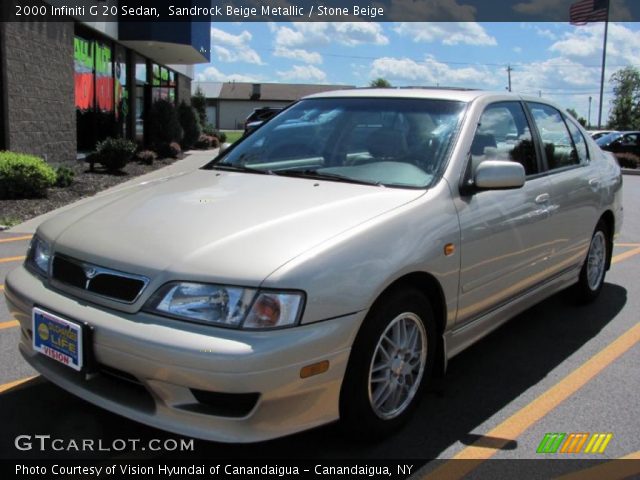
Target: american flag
585	11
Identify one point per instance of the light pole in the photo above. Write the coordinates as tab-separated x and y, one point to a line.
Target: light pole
589	116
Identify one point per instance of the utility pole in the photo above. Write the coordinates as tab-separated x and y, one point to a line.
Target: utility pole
604	62
509	70
589	116
540	93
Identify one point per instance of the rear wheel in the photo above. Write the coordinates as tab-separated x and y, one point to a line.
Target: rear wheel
595	265
391	362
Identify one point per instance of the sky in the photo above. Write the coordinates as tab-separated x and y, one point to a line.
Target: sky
557	61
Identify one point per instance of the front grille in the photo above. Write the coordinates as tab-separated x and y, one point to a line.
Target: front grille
120	286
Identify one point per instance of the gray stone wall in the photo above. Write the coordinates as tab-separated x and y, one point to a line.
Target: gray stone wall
184	89
39	89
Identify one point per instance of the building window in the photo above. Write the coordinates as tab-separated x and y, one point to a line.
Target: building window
83	65
121	92
104	78
164	84
139	104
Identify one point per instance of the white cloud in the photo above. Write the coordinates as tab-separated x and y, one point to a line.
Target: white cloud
212	74
234	48
303	73
517	49
357	33
431	72
301	37
554	74
451	33
585	42
299	54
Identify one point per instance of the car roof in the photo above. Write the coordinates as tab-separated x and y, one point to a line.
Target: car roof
441	93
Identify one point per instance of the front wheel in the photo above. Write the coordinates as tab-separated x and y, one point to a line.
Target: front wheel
595	265
391	361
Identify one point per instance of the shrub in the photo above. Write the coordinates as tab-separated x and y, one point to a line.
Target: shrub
164	125
190	125
169	150
203	143
113	153
213	132
64	177
24	176
146	156
206	142
628	160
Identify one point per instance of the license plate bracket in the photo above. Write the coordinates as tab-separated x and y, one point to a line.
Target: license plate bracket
63	340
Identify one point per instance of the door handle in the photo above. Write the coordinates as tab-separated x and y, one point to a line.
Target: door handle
594	182
542	198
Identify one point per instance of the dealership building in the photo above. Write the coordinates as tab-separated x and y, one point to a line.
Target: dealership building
65	85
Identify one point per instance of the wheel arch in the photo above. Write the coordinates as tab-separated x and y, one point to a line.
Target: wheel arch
429	285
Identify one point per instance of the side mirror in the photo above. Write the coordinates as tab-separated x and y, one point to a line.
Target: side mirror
223	147
498	175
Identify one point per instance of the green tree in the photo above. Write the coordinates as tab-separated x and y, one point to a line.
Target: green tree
581	120
199	103
164	124
190	125
625	111
380	83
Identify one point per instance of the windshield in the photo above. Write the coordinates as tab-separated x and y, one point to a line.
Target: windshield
394	142
608	138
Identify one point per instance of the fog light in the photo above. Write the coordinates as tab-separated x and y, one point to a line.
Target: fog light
314	369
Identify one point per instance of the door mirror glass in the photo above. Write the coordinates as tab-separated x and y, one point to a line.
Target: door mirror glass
498	175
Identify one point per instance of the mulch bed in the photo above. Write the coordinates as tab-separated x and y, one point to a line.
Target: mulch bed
85	184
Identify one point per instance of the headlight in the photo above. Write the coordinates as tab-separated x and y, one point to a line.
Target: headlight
39	256
226	305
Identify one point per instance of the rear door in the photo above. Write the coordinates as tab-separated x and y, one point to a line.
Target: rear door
505	236
575	184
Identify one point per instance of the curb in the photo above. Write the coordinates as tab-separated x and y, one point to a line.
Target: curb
630	171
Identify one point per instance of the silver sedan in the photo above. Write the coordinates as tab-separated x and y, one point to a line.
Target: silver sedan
325	267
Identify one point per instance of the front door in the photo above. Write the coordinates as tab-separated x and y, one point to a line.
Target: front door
505	239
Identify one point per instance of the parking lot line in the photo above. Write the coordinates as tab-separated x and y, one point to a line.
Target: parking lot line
11	259
15	239
11	324
7	386
626	245
516	424
625	255
616	469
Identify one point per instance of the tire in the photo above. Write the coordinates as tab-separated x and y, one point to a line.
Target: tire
383	384
595	265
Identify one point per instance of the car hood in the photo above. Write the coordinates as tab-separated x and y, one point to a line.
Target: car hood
216	226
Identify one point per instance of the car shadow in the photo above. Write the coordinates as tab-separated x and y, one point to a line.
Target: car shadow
480	382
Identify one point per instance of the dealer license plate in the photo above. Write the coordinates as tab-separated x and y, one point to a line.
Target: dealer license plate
57	338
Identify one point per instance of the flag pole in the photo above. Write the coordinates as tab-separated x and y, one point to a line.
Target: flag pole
604	61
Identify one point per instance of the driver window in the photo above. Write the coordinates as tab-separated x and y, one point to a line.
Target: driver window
503	134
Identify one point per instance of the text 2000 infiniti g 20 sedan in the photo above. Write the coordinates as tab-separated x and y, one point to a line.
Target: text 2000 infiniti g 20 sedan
323	268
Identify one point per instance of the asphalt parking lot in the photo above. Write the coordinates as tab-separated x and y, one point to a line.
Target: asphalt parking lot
555	368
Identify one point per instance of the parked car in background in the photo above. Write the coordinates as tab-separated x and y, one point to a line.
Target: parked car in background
596	134
324	267
258	117
621	142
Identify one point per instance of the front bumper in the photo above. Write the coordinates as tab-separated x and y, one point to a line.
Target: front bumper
148	367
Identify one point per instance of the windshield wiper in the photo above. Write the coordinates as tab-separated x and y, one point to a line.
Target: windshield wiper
334	177
241	168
